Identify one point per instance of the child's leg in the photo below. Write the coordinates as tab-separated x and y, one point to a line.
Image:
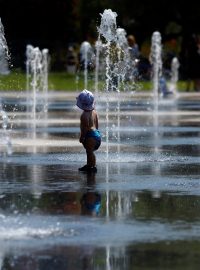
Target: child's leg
89	145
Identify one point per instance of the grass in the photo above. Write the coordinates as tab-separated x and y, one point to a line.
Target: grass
16	80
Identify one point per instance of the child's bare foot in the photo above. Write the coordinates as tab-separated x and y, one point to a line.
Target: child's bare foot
84	168
87	168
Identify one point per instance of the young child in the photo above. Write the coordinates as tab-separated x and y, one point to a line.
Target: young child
89	136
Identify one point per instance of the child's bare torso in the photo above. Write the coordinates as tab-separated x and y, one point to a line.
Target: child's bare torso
89	121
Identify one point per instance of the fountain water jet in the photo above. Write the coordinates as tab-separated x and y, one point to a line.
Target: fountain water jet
125	60
118	64
4	52
156	61
108	29
5	57
98	46
37	82
174	75
86	59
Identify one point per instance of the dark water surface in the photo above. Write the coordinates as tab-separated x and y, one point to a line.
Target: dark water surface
141	210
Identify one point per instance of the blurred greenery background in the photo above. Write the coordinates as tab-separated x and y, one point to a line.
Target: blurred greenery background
59	24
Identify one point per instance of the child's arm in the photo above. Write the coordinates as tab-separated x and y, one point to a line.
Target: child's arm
83	128
97	122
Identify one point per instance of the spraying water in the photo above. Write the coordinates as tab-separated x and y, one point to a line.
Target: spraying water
4	52
98	46
86	59
117	57
174	75
37	82
108	26
6	136
107	29
35	69
125	61
45	67
156	61
4	58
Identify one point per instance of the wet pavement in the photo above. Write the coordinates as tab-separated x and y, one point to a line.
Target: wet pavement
139	211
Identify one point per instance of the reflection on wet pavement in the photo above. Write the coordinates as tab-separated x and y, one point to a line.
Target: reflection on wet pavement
139	211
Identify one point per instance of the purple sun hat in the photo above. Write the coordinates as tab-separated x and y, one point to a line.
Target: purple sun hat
85	100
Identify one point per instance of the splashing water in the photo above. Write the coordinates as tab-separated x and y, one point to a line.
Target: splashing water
121	38
156	61
86	58
37	81
125	63
6	136
98	46
35	68
174	75
4	52
118	64
4	58
108	26
45	68
108	29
